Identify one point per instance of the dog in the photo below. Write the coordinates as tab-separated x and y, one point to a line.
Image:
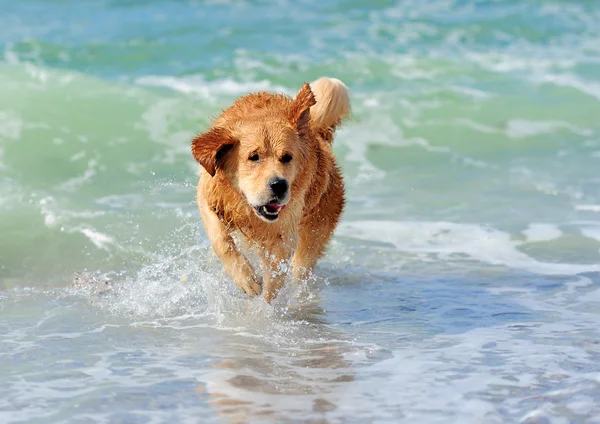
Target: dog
269	174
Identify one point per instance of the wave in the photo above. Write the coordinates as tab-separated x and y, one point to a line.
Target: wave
454	242
108	162
211	90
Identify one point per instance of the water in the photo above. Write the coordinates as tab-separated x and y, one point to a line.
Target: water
463	284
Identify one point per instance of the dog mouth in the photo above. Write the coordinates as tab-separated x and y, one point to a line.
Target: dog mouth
269	211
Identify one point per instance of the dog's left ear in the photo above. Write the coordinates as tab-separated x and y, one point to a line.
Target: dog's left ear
299	112
209	148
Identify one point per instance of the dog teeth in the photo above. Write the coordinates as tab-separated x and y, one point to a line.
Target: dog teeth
266	211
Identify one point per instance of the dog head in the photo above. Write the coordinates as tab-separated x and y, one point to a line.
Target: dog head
259	145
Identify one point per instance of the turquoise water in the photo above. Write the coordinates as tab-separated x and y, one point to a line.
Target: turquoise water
463	284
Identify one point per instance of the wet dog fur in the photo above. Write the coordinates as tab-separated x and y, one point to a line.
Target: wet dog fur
268	172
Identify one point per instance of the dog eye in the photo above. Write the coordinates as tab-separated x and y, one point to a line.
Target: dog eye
286	158
254	158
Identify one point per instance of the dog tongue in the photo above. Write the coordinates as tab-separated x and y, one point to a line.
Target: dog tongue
273	207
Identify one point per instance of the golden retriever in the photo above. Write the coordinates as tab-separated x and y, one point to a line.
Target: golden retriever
269	173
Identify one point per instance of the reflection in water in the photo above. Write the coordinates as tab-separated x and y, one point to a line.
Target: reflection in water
283	375
280	362
373	347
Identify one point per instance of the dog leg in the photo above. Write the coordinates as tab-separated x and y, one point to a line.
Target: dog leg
275	262
236	265
311	246
316	230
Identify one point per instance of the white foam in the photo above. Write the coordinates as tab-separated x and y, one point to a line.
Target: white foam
521	128
446	239
472	93
56	217
417	388
542	232
10	57
505	62
211	90
10	125
590	88
588	208
47	210
407	68
76	182
591	232
99	239
160	123
378	127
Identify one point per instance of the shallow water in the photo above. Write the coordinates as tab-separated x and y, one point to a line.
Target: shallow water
463	284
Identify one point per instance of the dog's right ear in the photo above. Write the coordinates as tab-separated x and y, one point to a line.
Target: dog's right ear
209	148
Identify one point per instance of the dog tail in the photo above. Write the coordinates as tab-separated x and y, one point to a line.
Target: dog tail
333	105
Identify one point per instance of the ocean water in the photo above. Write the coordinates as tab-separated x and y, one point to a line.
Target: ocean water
463	284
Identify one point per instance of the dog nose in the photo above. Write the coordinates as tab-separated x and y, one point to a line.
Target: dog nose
278	186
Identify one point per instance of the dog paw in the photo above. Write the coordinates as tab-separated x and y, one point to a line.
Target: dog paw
269	295
270	291
251	287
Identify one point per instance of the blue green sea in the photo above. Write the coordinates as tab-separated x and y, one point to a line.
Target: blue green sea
462	285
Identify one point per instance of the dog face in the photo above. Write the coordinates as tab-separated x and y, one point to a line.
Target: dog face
265	166
259	146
